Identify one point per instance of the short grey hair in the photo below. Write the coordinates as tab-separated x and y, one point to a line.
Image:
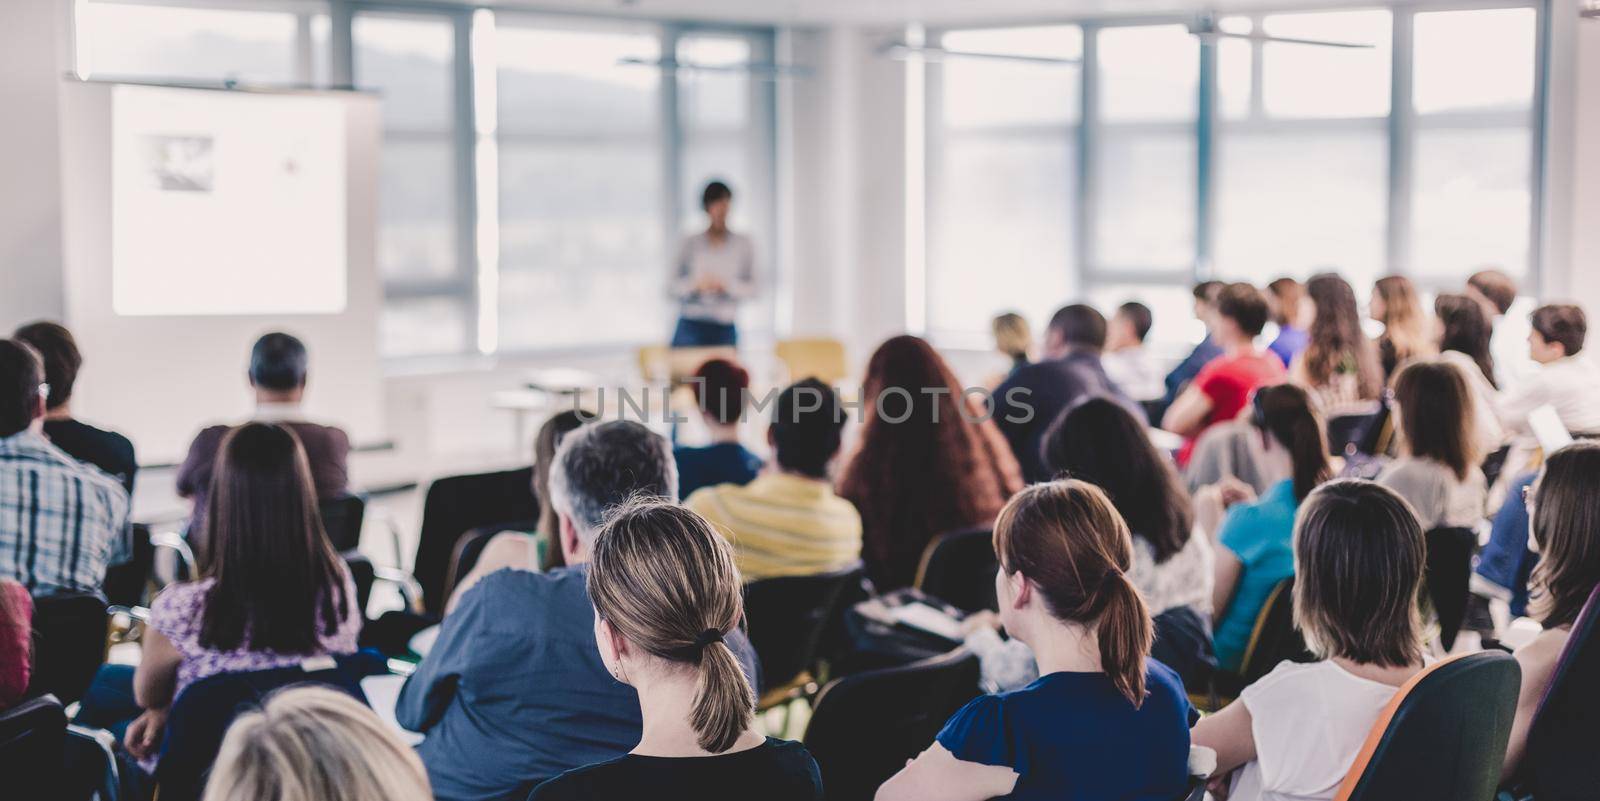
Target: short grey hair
601	465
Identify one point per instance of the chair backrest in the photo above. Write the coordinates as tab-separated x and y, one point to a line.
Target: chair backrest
458	504
69	644
1448	572
202	713
1443	736
1274	639
1562	762
866	725
469	548
342	517
125	584
787	616
32	738
958	568
821	358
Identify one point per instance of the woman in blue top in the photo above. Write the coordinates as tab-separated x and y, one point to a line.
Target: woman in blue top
1103	722
1256	535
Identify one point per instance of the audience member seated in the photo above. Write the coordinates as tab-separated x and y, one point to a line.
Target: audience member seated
1286	302
278	367
1495	292
272	593
1255	535
1394	303
1014	340
788	522
62	523
1339	365
1563	379
927	461
1462	333
1566	529
513	692
1505	563
720	388
314	744
104	449
666	594
16	642
1071	370
1128	364
1103	720
535	550
1295	732
1222	389
1205	310
1437	472
1098	442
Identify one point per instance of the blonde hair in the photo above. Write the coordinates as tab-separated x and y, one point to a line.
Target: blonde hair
665	581
1011	335
315	744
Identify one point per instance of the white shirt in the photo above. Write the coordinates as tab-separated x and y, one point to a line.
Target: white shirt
1485	401
1135	373
1570	384
1309	723
732	261
1185	579
1508	344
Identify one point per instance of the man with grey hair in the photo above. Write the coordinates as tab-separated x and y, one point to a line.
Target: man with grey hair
513	692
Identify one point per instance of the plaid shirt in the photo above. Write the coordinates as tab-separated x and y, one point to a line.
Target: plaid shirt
62	522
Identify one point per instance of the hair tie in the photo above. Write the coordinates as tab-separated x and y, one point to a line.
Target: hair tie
706	638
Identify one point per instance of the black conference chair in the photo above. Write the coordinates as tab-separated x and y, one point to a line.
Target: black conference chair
1448	572
469	548
865	726
456	505
342	518
1443	736
202	713
786	618
1273	640
125	584
32	743
958	568
1562	761
69	644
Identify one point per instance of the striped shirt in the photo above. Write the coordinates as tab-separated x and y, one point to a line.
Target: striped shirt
783	525
62	522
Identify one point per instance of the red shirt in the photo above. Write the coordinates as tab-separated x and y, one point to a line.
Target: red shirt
1228	382
16	641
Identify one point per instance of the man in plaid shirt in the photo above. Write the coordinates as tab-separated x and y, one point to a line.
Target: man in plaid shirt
62	522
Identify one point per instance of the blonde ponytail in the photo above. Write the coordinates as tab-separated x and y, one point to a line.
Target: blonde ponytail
724	704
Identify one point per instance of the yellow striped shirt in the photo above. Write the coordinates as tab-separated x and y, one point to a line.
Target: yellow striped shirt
782	525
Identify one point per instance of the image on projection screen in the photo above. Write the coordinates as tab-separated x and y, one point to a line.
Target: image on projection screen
226	203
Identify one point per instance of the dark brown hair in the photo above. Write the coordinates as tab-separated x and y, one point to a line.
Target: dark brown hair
1437	417
1565	521
1080	325
1359	557
1285	413
59	351
924	464
276	582
1068	541
21	373
1245	305
719	390
1496	286
666	582
1557	323
1100	442
544	453
1465	329
1288	293
1336	343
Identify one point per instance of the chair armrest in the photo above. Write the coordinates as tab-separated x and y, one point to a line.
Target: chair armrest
139	613
405	583
173	541
400	667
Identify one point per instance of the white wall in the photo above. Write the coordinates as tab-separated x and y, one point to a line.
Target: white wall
31	32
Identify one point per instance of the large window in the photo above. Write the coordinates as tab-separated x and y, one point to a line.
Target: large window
269	45
1412	152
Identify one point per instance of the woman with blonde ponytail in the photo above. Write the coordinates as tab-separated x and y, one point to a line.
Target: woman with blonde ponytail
666	593
1103	721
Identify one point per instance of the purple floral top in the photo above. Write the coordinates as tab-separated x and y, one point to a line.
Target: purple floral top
176	613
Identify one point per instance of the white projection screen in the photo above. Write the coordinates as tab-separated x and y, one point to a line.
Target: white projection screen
226	204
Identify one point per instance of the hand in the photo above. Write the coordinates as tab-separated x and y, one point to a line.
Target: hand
144	733
1220	786
980	620
1209	509
710	284
1235	491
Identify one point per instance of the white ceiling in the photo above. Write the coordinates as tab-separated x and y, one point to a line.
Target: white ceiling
894	12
